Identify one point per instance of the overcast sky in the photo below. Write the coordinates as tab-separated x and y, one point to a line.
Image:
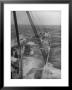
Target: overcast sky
38	17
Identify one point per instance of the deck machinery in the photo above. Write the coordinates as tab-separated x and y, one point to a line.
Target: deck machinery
43	52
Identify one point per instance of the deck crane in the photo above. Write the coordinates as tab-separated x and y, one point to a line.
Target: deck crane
44	54
37	37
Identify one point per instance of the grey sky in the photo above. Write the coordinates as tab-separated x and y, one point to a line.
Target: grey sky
39	17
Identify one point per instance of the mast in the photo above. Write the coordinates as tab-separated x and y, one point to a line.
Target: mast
17	35
37	36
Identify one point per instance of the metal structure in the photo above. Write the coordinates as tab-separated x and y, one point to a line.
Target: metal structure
44	54
19	46
37	37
